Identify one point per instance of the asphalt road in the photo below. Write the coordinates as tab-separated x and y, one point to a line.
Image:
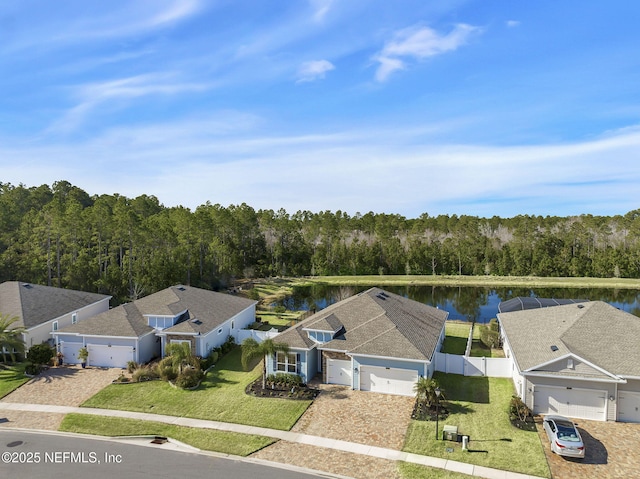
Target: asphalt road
34	455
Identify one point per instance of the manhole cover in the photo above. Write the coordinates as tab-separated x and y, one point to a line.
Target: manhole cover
15	444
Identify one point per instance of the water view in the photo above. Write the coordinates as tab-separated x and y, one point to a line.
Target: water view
462	303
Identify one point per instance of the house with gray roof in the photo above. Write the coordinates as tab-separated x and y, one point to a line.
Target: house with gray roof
373	341
43	310
141	330
580	360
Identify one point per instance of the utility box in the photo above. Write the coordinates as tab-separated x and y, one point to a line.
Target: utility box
450	433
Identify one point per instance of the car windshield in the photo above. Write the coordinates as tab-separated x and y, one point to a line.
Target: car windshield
567	432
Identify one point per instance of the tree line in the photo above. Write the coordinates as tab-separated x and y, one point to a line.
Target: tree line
129	247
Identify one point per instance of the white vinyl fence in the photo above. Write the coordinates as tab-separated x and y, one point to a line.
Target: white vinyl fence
468	366
257	335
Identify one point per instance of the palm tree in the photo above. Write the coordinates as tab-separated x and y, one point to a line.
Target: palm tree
180	354
425	389
252	350
10	337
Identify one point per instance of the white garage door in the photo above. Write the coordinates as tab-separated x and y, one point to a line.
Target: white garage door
109	356
628	406
70	352
339	372
574	403
388	380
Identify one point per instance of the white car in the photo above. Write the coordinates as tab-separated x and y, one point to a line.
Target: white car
564	436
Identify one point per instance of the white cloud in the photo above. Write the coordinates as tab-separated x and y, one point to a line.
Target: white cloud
224	160
513	23
314	70
418	43
321	8
93	95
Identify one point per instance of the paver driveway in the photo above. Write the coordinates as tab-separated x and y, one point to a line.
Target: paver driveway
355	416
611	451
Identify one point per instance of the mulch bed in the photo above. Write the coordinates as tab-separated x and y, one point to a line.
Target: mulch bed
424	413
300	392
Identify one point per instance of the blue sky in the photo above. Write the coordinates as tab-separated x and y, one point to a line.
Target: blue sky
482	108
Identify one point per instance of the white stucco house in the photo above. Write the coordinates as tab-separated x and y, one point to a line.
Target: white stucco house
43	310
139	331
579	360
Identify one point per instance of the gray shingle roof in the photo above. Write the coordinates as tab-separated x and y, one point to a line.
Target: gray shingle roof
35	304
211	309
595	331
376	323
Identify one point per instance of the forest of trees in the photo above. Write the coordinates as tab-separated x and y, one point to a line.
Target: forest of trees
129	247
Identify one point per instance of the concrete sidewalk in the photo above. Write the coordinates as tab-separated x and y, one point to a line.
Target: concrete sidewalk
362	449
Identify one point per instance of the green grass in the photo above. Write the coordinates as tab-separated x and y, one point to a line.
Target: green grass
207	439
416	471
221	397
479	281
478	406
456	334
11	378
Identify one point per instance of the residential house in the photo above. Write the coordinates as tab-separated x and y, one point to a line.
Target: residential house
43	310
373	341
579	360
140	331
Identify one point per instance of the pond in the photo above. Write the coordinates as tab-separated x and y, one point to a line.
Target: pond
462	303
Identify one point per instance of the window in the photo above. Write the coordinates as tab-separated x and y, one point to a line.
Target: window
232	324
55	325
220	331
74	318
570	364
287	363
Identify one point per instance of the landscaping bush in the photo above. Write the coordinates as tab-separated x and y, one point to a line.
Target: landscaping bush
166	372
144	374
228	345
132	366
40	354
210	360
189	378
285	381
32	369
520	415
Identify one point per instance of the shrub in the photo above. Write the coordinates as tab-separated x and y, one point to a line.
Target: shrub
210	360
166	372
32	369
228	345
40	354
489	337
189	378
132	366
287	381
518	410
144	374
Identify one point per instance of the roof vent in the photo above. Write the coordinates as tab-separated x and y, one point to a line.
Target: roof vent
580	306
196	321
181	288
554	348
380	296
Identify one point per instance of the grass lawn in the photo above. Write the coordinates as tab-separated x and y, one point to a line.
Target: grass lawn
11	378
479	350
416	471
456	334
220	397
478	406
207	439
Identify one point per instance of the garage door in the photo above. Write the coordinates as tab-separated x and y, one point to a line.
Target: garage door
70	352
339	372
575	403
628	406
388	380
109	356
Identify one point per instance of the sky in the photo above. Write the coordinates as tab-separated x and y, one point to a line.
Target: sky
468	107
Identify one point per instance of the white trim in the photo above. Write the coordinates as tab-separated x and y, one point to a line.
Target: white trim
575	357
423	361
573	378
164	333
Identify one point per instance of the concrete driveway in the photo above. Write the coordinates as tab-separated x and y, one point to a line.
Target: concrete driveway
63	386
611	451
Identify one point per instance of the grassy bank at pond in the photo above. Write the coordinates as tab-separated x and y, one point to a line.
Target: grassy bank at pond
206	439
474	281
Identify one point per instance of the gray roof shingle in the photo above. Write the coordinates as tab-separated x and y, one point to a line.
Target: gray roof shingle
209	308
34	304
376	323
595	331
